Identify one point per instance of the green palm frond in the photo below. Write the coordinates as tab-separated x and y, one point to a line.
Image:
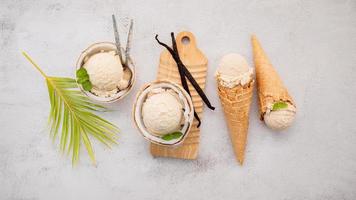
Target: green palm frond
72	117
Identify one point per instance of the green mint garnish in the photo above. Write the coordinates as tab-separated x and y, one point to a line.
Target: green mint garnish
172	136
81	72
279	105
83	79
87	86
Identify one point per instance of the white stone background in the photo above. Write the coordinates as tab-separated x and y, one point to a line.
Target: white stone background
311	43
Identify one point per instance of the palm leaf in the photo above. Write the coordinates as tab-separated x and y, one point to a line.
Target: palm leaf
71	116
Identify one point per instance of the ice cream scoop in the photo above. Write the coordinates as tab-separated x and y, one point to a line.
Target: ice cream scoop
280	119
105	72
234	70
162	113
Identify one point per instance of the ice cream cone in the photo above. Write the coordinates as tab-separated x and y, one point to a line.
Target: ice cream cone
236	103
269	85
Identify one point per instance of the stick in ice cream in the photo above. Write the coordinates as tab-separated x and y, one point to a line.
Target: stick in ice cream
235	86
277	108
162	112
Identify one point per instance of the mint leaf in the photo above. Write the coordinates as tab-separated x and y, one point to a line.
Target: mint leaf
87	86
279	105
83	79
176	135
167	137
81	72
172	136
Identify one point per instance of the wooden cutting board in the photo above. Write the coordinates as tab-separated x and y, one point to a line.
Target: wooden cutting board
196	63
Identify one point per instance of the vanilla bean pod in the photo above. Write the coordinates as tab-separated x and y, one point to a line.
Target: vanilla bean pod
181	73
182	77
186	72
190	77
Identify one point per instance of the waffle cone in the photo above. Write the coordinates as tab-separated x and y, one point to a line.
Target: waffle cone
236	103
269	85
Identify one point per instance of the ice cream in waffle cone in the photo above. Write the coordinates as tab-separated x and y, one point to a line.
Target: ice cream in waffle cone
277	108
235	87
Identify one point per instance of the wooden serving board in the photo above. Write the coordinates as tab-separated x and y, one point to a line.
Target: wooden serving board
196	63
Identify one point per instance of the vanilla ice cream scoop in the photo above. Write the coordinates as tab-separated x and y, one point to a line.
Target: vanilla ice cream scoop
105	72
280	119
234	70
162	113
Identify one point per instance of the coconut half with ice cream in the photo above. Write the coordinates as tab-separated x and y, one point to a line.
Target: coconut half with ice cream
163	113
110	79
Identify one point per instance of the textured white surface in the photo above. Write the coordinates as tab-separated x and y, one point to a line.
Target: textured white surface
311	43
